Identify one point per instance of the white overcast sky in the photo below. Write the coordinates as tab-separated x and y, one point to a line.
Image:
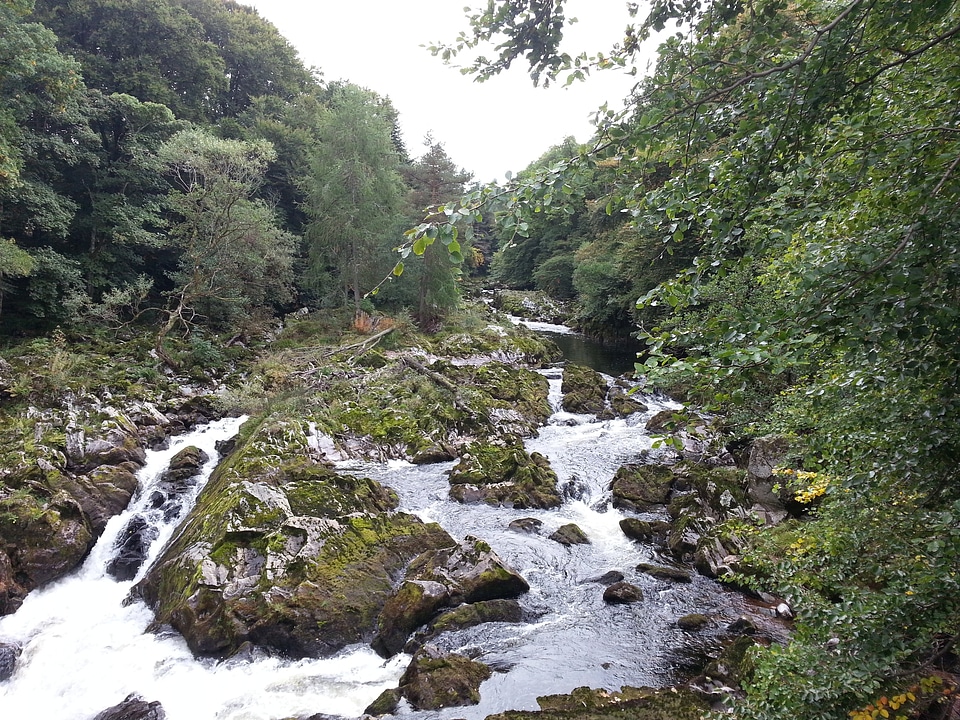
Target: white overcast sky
487	128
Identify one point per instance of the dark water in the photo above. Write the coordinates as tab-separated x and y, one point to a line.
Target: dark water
603	358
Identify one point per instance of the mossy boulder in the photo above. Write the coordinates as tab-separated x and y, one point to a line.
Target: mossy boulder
288	555
676	703
413	604
504	475
693	622
584	390
570	534
435	681
647	531
661	572
622	593
469	615
622	403
641	487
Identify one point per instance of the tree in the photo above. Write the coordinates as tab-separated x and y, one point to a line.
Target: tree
814	153
434	179
233	259
353	195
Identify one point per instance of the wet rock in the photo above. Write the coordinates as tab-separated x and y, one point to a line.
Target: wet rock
131	548
413	604
742	626
526	525
434	454
469	615
385	704
665	573
622	593
584	390
8	660
693	622
471	571
117	445
674	703
102	493
183	466
622	404
437	681
664	421
570	534
645	531
608	578
133	708
641	487
284	553
506	476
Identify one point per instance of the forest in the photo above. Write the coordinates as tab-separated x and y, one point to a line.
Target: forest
775	215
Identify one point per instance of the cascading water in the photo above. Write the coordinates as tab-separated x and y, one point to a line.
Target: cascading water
572	638
83	650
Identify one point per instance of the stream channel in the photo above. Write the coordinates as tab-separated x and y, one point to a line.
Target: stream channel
84	650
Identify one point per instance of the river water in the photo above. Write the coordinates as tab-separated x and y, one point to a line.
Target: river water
84	650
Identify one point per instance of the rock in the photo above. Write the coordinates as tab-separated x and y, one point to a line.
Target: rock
119	444
645	531
608	578
641	487
506	476
742	626
693	622
434	454
672	703
622	593
570	534
133	708
664	421
469	615
432	682
102	493
8	660
766	454
183	466
623	404
385	704
471	572
665	573
584	390
527	525
131	548
284	553
413	604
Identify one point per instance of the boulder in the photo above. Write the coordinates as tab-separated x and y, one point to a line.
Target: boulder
133	708
584	390
385	704
693	622
623	404
471	614
471	571
504	475
664	573
570	534
655	531
413	604
622	593
526	525
628	703
434	681
641	487
608	578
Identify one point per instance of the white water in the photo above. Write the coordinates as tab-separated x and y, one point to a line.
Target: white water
83	651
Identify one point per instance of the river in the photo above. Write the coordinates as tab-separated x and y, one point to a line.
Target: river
84	649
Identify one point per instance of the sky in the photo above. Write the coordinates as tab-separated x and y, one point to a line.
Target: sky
486	128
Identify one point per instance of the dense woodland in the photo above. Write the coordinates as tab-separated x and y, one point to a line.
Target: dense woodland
775	214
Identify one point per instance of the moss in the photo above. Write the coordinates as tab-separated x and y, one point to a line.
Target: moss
639	487
504	475
627	704
584	390
664	573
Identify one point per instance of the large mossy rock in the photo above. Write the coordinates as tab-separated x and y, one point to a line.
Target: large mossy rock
504	475
468	573
432	682
284	553
676	703
584	390
641	487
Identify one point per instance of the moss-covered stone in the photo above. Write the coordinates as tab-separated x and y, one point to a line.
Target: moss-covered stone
504	476
570	534
675	703
693	622
432	682
414	603
623	404
655	531
471	614
385	704
622	593
584	390
664	573
641	487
